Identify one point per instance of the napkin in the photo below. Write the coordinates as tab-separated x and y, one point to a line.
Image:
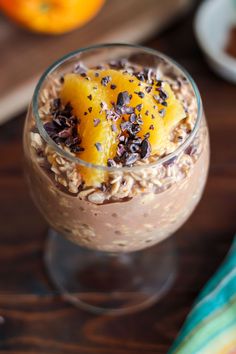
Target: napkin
210	328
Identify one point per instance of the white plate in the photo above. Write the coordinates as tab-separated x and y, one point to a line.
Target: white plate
213	22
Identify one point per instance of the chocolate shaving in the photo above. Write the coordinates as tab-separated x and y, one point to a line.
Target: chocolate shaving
139	107
135	128
111	163
131	128
156	98
137	140
80	68
128	110
63	127
145	149
139	120
121	150
75	148
162	112
96	121
148	89
160	100
125	126
103	187
114	127
51	129
122	138
140	94
72	141
130	159
112	115
123	98
105	80
65	133
140	76
132	117
98	146
163	95
133	148
56	103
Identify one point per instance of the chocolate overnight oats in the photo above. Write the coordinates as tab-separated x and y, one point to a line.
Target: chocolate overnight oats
118	156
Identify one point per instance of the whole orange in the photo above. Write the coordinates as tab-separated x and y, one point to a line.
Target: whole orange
51	16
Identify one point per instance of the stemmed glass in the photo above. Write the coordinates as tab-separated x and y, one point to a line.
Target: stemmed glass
99	253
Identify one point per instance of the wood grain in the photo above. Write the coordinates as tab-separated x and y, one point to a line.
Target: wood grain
38	322
25	55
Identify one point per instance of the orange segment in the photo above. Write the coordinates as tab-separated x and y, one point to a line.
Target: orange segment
126	82
90	97
153	123
98	140
175	111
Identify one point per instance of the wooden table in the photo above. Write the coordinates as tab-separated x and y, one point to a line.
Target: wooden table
46	324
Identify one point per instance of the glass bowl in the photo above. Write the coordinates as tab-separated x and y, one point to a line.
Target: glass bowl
99	252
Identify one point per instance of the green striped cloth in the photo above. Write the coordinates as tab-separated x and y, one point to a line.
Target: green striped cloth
210	328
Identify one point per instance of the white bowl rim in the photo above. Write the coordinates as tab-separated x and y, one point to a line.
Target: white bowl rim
222	59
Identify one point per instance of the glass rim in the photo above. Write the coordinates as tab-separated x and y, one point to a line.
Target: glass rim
77	160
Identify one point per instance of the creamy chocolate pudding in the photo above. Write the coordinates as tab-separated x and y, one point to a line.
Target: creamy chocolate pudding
144	148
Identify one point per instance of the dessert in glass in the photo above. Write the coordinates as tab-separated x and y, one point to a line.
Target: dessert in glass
117	153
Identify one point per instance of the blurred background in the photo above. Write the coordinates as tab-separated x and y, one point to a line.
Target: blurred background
201	36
